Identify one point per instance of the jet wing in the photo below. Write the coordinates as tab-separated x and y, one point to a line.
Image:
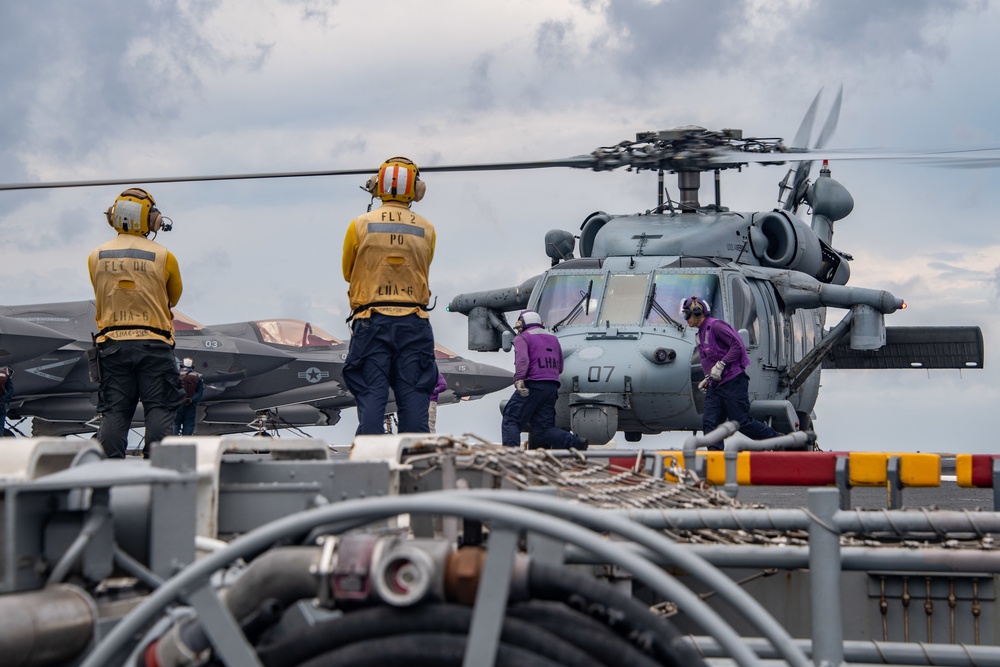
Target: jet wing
325	392
914	347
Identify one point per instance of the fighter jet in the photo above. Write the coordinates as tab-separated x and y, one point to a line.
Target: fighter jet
259	374
52	380
309	391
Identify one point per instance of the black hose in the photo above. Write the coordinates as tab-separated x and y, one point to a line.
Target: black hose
428	649
384	625
614	609
595	638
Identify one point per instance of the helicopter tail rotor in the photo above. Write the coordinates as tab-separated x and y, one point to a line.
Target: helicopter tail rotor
796	181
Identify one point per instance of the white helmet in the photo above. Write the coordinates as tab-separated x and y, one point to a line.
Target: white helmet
526	318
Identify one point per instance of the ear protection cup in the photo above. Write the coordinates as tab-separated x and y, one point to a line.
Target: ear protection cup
155	219
694	307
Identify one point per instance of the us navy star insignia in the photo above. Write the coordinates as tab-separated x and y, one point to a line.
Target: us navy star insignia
313	375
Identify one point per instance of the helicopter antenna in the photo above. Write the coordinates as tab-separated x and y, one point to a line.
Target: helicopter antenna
743	249
670	202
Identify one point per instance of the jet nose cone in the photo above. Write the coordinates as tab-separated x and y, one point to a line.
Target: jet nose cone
489	379
21	340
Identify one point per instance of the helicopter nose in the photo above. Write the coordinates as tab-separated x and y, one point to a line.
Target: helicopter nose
626	385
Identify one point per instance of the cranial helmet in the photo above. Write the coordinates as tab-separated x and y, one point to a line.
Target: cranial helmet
694	306
527	318
398	179
134	212
187	363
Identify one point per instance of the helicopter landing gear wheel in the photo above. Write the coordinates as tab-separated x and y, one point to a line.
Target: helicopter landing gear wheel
633	436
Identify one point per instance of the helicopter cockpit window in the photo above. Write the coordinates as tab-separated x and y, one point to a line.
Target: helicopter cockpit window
670	290
625	299
570	299
294	333
744	315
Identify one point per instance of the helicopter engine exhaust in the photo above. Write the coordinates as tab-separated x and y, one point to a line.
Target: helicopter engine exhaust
782	241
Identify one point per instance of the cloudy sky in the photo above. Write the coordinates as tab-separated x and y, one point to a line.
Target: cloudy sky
107	89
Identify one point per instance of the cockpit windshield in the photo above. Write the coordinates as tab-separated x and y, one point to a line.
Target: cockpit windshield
670	290
294	333
624	303
570	299
441	352
628	300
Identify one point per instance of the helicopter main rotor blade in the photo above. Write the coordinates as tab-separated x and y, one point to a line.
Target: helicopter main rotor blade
704	158
971	157
576	162
580	162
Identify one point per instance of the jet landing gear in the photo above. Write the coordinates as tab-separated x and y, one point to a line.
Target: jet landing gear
268	423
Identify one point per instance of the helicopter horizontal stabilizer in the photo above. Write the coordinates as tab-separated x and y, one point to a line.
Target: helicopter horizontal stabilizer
915	347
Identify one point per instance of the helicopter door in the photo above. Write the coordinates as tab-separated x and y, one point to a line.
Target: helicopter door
771	323
744	312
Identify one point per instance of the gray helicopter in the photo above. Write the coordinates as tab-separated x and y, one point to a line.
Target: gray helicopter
631	364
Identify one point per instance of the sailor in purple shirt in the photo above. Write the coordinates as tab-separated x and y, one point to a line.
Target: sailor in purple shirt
726	384
537	363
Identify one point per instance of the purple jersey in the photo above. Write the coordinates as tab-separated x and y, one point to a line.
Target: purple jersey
718	341
537	355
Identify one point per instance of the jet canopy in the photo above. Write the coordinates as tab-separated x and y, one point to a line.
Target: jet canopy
294	333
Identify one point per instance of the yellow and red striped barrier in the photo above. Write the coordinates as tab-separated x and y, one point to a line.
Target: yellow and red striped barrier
916	469
974	470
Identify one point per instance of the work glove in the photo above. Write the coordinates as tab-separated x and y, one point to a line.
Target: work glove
703	385
716	373
522	389
187	401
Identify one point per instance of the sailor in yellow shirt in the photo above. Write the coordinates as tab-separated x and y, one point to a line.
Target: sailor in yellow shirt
387	258
136	283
